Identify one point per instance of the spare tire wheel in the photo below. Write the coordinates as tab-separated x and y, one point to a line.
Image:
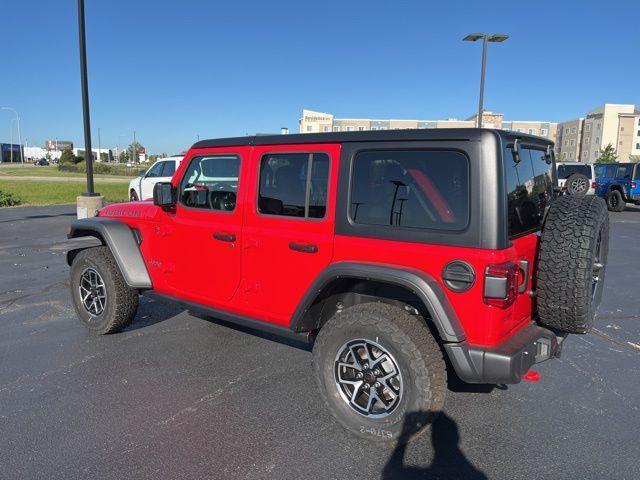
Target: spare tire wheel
577	184
571	263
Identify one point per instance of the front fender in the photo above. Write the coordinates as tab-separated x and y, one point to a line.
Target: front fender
122	242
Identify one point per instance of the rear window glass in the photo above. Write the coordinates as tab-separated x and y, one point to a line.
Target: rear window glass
565	171
529	189
422	189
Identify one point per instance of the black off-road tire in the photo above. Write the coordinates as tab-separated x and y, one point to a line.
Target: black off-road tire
417	354
615	202
574	242
121	300
577	184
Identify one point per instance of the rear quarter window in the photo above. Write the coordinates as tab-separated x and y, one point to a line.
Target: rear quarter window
417	189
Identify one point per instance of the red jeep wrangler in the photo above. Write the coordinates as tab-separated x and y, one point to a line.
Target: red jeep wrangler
403	256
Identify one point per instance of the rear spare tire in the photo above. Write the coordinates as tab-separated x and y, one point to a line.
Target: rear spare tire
577	184
571	263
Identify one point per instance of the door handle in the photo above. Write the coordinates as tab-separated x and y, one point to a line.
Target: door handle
303	247
224	237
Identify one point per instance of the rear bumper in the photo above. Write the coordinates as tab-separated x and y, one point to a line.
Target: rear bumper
507	362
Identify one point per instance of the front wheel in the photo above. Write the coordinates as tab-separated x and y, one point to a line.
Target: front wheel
376	366
133	196
102	299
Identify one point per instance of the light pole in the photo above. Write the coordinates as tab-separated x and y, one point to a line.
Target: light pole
19	139
88	152
495	38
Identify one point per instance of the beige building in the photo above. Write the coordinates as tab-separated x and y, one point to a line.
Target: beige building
616	124
315	122
569	140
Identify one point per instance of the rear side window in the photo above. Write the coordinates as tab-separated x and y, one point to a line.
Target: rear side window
624	171
565	171
607	171
636	175
294	184
169	168
211	182
529	189
422	189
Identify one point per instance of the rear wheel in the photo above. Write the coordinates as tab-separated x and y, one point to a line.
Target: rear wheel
375	365
572	262
103	301
615	202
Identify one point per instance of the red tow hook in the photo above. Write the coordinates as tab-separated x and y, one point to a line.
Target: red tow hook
531	376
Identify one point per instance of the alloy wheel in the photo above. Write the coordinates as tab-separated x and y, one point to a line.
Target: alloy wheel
93	292
368	378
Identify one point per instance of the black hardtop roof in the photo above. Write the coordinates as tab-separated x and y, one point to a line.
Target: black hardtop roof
425	134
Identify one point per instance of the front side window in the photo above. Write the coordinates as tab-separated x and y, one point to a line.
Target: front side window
169	168
211	182
294	184
422	189
156	170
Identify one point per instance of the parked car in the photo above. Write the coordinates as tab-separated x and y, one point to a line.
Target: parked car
618	184
42	162
390	251
141	188
576	177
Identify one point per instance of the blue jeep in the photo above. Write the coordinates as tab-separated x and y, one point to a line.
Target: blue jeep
618	184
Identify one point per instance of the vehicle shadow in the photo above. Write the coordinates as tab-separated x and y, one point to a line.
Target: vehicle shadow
151	312
448	462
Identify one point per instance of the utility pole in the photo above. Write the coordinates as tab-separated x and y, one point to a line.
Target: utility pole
133	149
99	149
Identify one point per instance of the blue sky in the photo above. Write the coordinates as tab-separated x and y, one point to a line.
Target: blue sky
173	70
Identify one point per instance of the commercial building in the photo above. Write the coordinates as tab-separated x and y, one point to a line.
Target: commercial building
612	124
314	122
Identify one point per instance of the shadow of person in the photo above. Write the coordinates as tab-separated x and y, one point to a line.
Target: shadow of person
448	461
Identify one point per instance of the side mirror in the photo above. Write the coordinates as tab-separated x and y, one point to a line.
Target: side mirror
164	195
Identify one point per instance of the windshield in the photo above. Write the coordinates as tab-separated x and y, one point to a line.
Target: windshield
565	171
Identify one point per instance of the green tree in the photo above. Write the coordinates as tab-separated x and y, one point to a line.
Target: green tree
123	156
68	156
608	155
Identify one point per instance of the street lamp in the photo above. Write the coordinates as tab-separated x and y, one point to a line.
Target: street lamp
496	38
19	139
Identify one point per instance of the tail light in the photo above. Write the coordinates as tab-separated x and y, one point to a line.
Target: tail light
501	284
594	185
634	184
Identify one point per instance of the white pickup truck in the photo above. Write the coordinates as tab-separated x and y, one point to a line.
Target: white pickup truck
141	188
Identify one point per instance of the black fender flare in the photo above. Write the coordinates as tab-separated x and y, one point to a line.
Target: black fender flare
122	242
425	287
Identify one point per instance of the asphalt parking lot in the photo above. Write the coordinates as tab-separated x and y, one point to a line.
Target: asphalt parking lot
177	396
